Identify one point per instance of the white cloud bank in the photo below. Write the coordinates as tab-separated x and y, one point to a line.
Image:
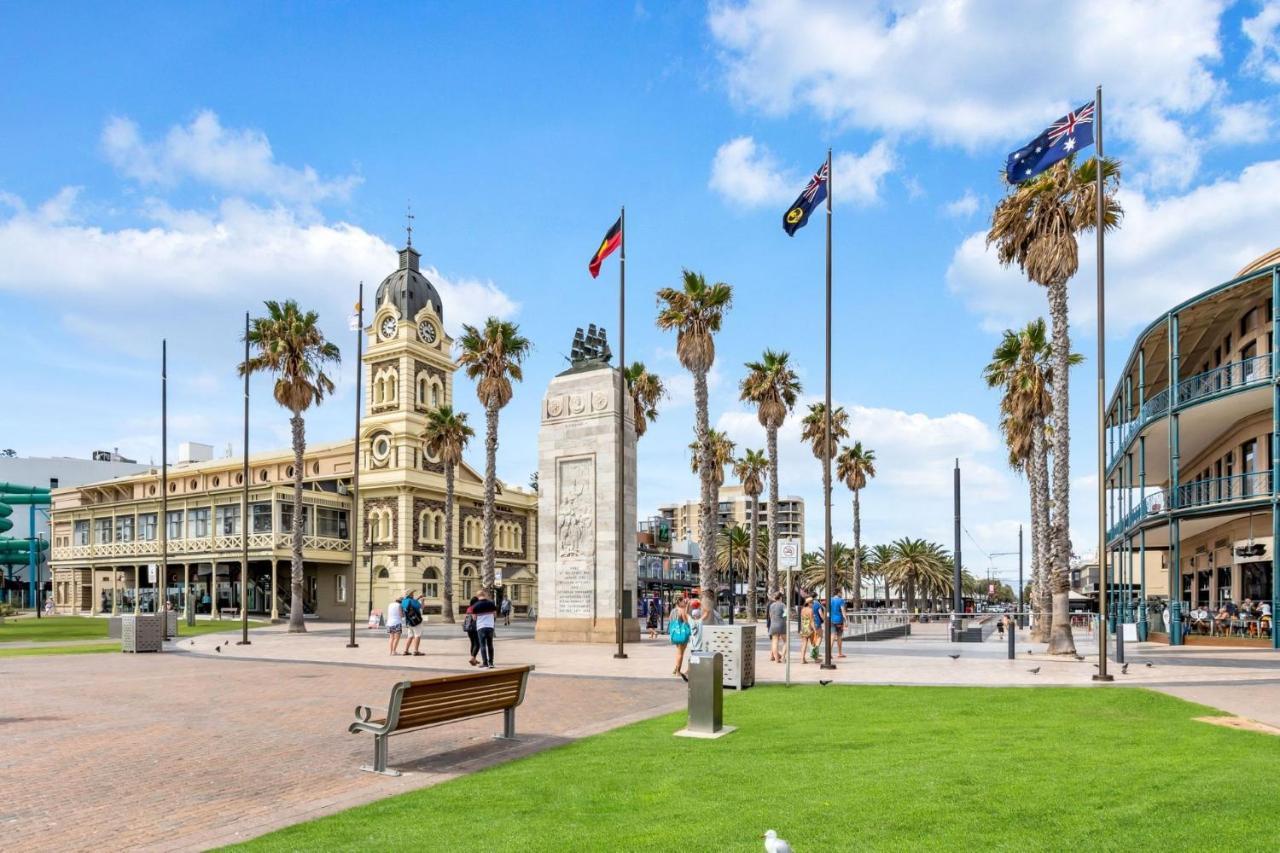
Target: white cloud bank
748	174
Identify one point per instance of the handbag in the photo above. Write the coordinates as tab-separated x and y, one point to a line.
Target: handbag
680	632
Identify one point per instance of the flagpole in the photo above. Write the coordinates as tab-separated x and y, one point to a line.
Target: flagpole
355	472
244	502
622	428
826	456
164	484
1101	674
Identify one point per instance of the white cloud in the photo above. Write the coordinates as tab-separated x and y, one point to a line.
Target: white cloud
235	161
747	173
1244	123
926	66
1166	250
963	207
1264	38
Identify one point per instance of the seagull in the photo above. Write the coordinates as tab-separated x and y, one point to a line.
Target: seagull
954	657
1149	663
1034	670
218	649
774	844
1124	670
824	683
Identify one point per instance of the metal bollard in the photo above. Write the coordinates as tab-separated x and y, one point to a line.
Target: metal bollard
706	697
1120	642
1010	632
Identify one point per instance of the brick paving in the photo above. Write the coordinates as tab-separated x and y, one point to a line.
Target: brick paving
183	752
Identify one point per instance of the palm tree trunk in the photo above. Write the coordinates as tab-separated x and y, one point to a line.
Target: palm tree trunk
296	625
448	544
751	558
857	552
490	485
1060	640
1035	532
1040	483
707	540
772	578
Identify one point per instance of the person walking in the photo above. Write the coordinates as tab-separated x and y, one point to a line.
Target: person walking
651	621
776	616
679	632
807	634
469	628
505	610
395	624
411	615
484	610
837	624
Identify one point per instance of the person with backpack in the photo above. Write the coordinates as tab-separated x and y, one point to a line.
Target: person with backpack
469	628
484	610
413	619
679	630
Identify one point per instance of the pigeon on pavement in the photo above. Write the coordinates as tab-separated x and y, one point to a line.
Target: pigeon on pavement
1034	670
954	657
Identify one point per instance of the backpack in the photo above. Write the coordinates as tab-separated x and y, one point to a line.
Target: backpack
413	616
468	623
679	631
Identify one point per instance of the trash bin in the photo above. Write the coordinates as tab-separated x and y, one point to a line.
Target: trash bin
143	632
737	645
706	697
171	618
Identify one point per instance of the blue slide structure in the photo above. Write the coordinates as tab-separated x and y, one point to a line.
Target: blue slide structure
16	552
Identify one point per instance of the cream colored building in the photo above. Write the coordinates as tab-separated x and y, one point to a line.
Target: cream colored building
735	508
107	535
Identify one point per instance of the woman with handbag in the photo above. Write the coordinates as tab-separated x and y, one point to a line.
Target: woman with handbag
808	634
469	626
679	630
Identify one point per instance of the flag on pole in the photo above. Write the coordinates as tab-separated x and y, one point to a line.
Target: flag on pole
353	322
797	215
1062	139
612	240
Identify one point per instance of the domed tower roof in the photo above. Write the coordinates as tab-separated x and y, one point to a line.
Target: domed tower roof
1265	261
408	289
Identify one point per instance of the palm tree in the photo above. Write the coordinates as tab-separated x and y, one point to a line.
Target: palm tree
492	357
646	390
1036	226
813	569
918	566
735	551
751	470
695	311
879	559
1022	364
447	434
292	348
813	431
772	386
854	466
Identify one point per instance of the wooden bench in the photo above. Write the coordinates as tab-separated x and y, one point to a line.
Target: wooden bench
433	702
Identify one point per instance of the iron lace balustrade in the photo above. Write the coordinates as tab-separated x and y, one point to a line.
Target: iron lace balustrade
1221	490
1228	377
1155	503
1156	407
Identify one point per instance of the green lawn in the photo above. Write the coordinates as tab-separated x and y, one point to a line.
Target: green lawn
53	649
851	768
60	629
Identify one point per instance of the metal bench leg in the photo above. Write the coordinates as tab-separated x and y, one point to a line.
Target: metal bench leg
508	725
380	758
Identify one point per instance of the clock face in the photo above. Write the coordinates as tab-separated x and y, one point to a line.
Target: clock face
388	328
427	331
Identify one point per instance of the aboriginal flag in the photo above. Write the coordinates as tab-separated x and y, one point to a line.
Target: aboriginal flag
612	240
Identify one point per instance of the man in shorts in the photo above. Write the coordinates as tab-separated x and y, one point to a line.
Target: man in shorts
395	624
836	614
413	619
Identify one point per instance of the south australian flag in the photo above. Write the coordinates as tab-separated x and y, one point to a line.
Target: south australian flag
797	215
1062	139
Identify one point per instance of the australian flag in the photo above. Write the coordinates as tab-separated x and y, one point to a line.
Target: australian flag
1063	138
797	215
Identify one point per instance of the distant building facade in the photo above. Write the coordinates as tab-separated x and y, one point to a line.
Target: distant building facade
107	534
735	508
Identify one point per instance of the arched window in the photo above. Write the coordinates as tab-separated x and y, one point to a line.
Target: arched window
430	583
437	527
437	393
424	386
468	582
383	575
519	544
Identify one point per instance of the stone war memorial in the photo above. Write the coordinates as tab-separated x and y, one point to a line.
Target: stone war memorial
584	441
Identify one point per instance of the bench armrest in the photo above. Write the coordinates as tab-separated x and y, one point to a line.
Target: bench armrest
363	714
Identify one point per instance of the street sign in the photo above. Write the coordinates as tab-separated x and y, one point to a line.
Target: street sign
789	553
151	573
497	575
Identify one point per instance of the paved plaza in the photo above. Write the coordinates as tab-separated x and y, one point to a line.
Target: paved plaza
211	742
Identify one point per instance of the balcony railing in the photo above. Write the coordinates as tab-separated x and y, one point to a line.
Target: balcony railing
1153	504
1218	490
1228	377
200	545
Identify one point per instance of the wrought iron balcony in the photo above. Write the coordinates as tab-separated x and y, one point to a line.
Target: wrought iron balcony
1155	503
1220	490
1228	377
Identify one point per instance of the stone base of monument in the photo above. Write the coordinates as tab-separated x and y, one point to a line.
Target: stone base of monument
585	630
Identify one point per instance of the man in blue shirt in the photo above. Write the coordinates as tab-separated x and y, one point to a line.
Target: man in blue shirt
837	624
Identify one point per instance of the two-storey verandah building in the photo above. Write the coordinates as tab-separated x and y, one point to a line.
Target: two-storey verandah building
1192	430
106	552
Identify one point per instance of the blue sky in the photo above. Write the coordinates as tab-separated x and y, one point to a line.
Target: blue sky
166	168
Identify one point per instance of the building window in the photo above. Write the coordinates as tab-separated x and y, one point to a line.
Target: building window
430	583
173	524
102	531
286	518
227	520
515	592
340	588
261	515
331	523
81	533
198	523
147	527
